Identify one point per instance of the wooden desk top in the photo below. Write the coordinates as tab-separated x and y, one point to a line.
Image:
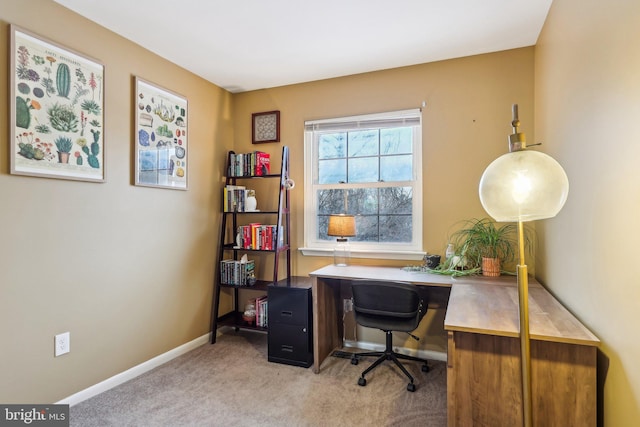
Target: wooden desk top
493	310
381	273
484	305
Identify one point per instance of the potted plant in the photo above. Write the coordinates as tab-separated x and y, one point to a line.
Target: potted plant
64	146
485	245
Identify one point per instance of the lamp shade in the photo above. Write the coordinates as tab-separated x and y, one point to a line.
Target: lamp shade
342	225
523	186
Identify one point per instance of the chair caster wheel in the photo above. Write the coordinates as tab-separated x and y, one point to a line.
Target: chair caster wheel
411	387
425	368
362	382
354	361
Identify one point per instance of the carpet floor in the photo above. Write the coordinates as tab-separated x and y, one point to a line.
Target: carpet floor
232	383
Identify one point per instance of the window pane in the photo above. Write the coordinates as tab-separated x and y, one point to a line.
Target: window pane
363	201
332	145
332	171
396	200
396	140
323	227
366	229
330	202
363	170
395	228
363	143
396	168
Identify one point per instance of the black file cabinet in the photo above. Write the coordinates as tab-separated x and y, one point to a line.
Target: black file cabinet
290	322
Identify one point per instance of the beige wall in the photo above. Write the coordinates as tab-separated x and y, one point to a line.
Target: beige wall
127	270
465	126
587	94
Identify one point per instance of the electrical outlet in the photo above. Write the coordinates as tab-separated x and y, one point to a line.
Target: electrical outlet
347	305
62	344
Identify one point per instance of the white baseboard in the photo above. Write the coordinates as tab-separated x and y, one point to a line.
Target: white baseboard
424	354
131	373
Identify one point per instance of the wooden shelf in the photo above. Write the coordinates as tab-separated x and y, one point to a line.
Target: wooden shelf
234	319
252	213
271	175
232	247
261	285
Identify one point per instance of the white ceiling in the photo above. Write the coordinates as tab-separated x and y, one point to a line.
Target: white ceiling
243	45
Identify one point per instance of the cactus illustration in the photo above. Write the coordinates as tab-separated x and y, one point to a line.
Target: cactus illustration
96	135
92	154
63	80
23	115
30	152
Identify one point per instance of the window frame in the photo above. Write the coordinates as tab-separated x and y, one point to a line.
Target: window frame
387	250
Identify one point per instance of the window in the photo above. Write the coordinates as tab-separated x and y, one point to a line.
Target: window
368	166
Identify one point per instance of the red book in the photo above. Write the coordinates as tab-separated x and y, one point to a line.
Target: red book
269	238
246	237
263	163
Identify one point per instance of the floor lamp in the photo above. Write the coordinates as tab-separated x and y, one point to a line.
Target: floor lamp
522	186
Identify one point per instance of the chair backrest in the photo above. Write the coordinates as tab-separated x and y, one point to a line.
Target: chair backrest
387	305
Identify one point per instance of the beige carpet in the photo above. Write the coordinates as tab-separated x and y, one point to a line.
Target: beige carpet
231	383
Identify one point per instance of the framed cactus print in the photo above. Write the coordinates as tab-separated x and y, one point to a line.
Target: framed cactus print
160	137
56	110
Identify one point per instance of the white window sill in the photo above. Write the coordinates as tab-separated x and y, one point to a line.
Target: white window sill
372	254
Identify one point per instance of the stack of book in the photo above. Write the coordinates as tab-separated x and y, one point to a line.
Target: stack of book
261	311
257	236
234	198
256	163
237	273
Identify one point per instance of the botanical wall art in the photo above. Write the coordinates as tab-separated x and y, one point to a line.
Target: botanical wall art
57	110
161	137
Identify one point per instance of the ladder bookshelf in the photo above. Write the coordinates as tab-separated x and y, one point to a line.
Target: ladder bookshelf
229	248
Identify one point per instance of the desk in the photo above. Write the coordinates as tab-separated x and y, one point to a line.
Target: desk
327	304
483	355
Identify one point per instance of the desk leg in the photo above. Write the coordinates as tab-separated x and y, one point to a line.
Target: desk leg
327	321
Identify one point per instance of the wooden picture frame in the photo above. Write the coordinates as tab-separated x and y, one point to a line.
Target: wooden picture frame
161	148
265	127
56	110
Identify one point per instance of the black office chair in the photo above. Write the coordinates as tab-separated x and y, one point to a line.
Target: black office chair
389	306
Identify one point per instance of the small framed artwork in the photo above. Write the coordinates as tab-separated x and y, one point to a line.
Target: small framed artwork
265	127
161	137
56	110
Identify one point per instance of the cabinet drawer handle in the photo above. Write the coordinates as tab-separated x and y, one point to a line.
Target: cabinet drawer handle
288	348
287	313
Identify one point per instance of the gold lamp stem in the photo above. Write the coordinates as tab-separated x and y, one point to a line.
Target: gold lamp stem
525	349
523	185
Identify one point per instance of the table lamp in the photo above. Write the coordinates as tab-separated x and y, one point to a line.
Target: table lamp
341	226
522	186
